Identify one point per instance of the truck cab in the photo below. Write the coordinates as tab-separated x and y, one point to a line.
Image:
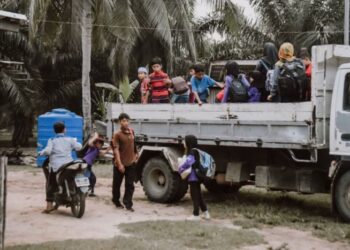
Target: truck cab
340	114
340	142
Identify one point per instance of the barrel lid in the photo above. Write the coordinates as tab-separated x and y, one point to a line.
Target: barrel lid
60	112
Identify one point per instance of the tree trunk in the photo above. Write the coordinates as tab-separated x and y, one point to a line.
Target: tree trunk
86	31
23	129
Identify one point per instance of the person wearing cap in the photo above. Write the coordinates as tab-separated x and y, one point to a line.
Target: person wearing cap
145	84
95	149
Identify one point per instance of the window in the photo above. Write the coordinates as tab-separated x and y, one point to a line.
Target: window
347	93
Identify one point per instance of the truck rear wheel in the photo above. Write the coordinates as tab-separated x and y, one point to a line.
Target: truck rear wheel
213	187
160	183
182	188
342	196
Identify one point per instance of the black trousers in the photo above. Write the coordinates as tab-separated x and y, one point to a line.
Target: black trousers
130	176
197	198
51	186
92	178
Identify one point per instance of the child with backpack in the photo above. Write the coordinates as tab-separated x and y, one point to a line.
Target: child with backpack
289	82
180	89
266	66
191	164
237	87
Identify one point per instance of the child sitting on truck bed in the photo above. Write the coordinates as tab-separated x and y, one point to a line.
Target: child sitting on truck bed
201	83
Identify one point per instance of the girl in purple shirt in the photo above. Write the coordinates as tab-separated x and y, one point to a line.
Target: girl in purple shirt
95	146
232	72
192	160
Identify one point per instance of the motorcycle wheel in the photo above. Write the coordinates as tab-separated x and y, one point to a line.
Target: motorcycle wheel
78	204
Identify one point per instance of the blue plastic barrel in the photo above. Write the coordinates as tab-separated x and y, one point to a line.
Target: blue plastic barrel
74	128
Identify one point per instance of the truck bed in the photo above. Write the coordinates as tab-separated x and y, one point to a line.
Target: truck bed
265	125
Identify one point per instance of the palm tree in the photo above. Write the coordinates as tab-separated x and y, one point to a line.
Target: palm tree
86	29
55	42
303	23
120	31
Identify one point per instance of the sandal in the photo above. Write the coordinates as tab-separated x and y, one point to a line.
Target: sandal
47	211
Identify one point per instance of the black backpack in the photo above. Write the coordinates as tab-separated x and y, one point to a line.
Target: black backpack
292	82
237	92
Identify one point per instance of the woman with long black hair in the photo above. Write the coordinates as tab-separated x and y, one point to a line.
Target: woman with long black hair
191	163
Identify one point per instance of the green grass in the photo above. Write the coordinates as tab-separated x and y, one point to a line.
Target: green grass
303	212
162	235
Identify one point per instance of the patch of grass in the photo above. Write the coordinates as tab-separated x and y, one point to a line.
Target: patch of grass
303	212
162	235
246	223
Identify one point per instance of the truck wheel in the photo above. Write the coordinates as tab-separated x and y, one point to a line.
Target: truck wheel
160	183
342	196
213	187
182	188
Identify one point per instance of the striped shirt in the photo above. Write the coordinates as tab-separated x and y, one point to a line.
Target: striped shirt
160	92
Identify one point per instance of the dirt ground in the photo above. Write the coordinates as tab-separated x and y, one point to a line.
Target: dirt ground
27	225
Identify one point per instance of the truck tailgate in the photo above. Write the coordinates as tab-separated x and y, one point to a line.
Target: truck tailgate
268	125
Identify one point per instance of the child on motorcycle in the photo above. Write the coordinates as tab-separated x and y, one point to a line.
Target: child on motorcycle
59	149
95	150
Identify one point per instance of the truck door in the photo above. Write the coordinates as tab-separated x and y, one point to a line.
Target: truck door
340	117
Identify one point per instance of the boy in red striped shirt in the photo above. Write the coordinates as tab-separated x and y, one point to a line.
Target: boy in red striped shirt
159	82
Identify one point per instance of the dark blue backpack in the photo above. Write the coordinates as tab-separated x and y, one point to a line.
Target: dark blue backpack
206	167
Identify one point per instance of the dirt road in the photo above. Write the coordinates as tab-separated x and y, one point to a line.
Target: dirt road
26	224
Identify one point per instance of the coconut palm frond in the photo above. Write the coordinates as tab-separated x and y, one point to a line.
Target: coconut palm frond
180	14
15	94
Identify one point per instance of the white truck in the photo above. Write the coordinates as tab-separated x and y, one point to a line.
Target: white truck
302	147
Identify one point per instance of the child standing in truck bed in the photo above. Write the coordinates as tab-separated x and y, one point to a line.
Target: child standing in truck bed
160	82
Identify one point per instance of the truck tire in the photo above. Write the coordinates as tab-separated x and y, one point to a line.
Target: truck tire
342	196
160	183
213	187
182	188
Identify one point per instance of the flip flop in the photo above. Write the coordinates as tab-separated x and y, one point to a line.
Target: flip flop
47	211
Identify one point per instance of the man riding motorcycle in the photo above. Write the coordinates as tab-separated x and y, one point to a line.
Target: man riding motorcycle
59	149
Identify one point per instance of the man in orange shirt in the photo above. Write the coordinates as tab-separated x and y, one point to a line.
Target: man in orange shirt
125	157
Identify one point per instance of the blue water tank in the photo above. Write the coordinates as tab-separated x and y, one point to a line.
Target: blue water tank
74	128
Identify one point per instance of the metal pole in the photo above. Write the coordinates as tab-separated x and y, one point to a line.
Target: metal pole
346	22
3	174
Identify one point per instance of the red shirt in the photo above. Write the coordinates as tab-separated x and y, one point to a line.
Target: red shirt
308	70
144	89
160	90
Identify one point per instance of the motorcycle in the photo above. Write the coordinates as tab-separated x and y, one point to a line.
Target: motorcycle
73	186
